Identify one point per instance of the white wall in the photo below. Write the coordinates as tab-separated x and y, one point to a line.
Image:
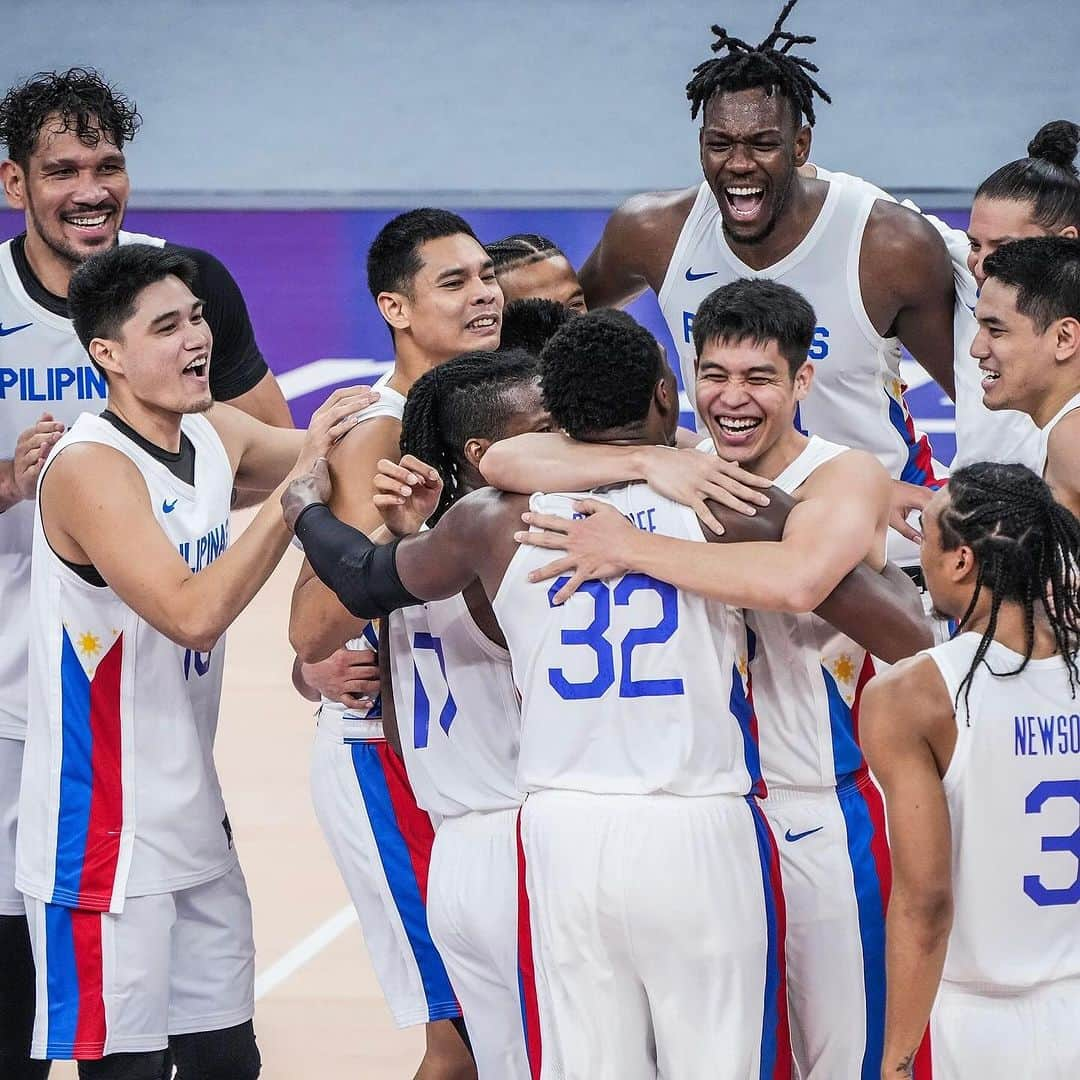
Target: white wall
553	96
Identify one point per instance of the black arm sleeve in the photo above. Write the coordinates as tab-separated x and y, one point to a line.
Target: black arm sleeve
236	364
362	575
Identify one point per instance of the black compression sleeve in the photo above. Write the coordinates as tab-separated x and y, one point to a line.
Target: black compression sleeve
361	574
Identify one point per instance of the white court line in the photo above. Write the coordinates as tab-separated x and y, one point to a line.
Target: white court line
304	951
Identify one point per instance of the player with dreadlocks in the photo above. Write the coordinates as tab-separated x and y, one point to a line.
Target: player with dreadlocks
977	746
449	699
876	274
530	265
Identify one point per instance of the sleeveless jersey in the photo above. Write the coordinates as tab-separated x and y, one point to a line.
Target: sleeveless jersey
1013	788
807	677
360	722
982	434
630	687
457	709
1044	436
858	397
43	368
120	796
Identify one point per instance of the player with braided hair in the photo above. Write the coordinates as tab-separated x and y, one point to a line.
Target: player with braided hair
976	744
531	265
876	274
451	653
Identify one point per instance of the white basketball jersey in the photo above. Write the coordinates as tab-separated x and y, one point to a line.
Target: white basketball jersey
364	723
982	434
1044	435
457	710
43	368
807	677
858	397
120	796
1013	788
632	686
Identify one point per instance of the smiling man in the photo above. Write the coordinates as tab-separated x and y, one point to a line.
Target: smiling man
877	275
139	914
66	171
1028	347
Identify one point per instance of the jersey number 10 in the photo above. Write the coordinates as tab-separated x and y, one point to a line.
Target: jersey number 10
594	636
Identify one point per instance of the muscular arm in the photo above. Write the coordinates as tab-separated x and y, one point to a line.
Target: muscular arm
635	248
900	710
319	623
907	285
1063	461
83	523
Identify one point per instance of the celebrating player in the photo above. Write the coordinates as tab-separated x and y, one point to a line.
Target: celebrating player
139	915
976	745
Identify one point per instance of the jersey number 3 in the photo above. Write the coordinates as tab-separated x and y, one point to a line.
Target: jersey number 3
594	637
1033	804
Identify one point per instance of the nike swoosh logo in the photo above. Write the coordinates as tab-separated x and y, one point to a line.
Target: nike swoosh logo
13	329
167	506
691	276
792	837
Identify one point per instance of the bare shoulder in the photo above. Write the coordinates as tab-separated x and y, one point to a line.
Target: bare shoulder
88	469
854	473
902	243
362	447
908	699
488	511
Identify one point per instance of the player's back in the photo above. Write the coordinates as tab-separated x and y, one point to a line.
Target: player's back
1013	787
457	711
632	686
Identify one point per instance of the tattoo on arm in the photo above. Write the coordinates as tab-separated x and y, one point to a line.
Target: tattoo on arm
907	1066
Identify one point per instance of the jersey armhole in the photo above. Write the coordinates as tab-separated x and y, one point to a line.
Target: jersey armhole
854	284
681	244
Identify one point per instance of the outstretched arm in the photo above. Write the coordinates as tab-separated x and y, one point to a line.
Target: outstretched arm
896	709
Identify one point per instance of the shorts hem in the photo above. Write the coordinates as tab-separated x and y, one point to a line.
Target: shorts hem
132	1044
13	907
214	1022
450	1010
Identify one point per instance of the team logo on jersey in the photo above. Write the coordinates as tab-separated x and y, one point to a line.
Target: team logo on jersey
691	276
51	384
168	507
5	330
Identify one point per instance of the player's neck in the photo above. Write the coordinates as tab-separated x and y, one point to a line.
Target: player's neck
780	455
410	362
158	426
1056	399
1011	628
52	271
804	201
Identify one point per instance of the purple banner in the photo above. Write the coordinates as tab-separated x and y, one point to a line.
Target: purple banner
302	274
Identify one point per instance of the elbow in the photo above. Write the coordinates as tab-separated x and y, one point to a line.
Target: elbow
929	914
200	634
801	595
307	644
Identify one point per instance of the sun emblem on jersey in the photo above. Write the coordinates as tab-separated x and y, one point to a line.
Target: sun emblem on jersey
742	666
88	644
844	669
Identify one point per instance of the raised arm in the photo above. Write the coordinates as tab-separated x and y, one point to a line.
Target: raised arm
635	248
898	710
540	461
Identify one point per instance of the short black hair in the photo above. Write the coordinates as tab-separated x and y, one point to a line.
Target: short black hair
1045	271
599	372
764	66
530	324
759	311
1047	178
469	397
394	256
80	98
521	249
105	289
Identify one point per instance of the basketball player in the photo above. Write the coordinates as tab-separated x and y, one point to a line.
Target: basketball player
435	287
876	274
676	1004
138	912
65	136
976	743
528	265
1028	347
752	338
454	692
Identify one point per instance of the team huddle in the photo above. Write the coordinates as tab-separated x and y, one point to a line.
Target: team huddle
643	752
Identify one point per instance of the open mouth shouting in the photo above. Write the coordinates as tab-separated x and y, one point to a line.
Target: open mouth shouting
744	201
198	368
